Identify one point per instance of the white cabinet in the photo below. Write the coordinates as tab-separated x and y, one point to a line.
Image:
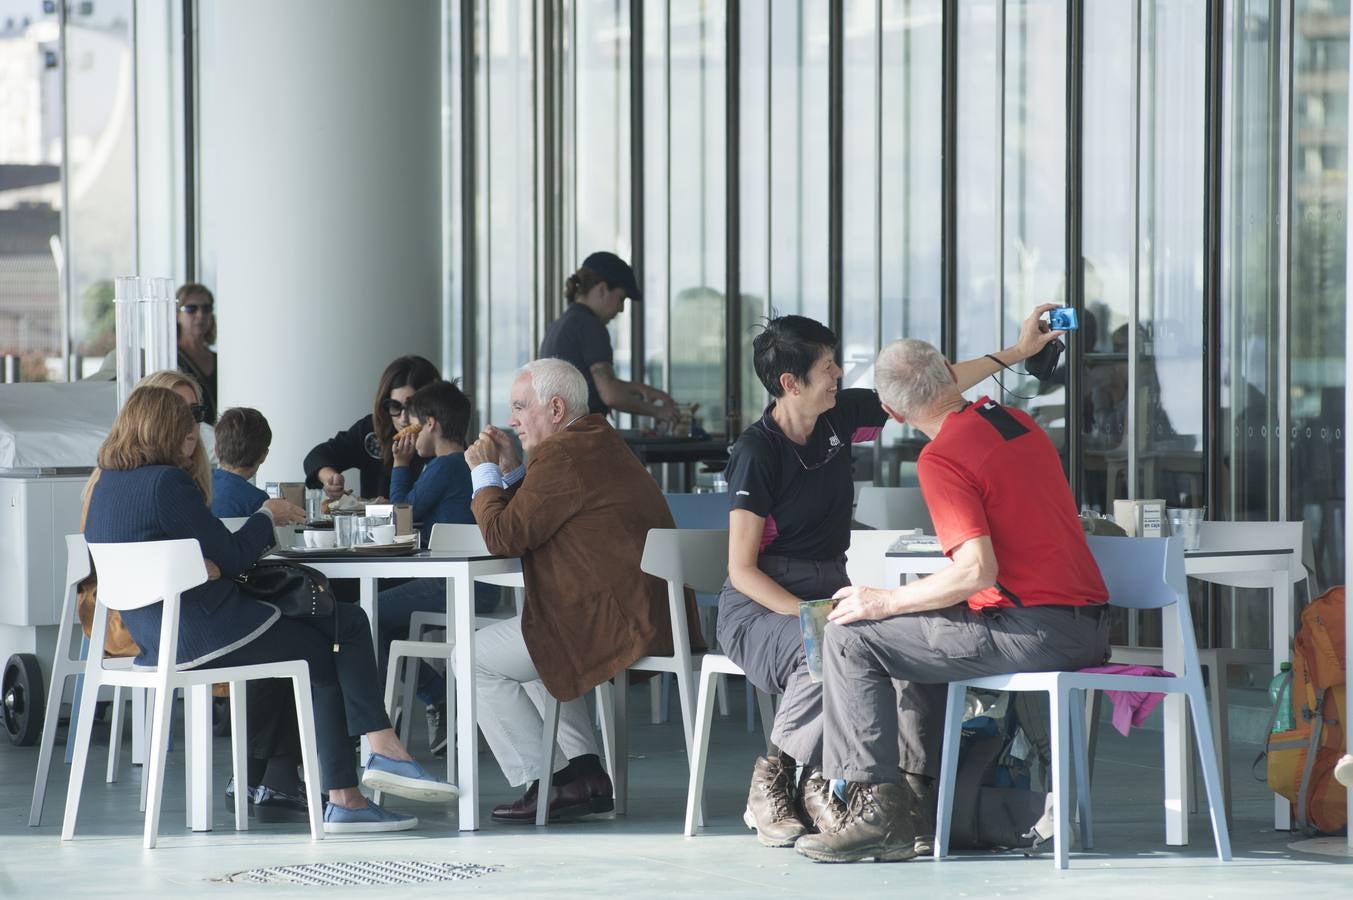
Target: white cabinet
36	514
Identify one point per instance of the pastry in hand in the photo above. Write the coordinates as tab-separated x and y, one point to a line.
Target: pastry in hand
410	430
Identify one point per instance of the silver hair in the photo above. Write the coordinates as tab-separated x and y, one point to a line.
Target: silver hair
911	375
551	377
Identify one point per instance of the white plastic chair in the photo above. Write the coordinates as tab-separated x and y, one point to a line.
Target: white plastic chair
712	667
893	508
1224	536
66	663
136	575
1141	573
445	537
681	557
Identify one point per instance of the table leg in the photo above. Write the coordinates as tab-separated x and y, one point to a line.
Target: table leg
369	600
1283	614
199	734
1176	737
461	588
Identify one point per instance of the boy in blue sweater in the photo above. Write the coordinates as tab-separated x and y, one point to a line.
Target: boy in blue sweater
242	441
275	793
441	493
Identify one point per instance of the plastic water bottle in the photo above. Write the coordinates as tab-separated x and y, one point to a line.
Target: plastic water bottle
1280	692
720	483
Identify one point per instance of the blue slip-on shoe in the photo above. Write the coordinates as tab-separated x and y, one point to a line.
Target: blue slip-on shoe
370	818
406	779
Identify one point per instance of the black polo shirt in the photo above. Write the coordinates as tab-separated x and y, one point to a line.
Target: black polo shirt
581	338
804	492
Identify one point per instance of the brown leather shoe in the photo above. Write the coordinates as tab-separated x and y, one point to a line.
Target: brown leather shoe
583	796
877	825
818	806
770	805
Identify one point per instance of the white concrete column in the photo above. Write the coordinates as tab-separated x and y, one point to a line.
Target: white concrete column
320	176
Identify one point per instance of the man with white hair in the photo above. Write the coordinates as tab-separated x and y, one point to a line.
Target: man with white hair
1023	594
578	515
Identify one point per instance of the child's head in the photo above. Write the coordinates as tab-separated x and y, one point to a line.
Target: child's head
443	411
242	438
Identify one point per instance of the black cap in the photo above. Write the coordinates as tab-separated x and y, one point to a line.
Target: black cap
615	272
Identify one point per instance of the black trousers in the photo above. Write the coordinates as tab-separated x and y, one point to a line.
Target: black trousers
343	684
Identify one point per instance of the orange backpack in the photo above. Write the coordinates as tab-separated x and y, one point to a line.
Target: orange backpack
1301	760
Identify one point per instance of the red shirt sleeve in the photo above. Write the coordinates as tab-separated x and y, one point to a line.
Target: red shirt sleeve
955	502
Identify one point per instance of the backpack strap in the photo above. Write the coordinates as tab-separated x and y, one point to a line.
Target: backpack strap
1303	789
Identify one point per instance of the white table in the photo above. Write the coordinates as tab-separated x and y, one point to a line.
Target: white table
899	565
460	571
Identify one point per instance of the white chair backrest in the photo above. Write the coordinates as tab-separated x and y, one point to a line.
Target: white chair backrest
234	523
892	508
866	560
682	556
139	574
77	560
1254	536
1148	573
451	538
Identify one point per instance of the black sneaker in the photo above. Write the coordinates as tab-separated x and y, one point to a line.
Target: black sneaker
436	718
230	793
274	806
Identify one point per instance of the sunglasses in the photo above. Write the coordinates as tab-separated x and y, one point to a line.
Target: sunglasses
199	412
192	309
394	408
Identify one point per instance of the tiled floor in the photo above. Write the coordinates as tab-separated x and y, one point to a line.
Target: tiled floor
643	854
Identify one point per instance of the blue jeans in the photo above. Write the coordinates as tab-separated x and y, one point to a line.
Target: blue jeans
396	605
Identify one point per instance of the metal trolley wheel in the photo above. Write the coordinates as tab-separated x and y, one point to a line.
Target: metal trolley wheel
21	699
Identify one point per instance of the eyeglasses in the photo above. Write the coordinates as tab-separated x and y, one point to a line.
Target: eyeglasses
193	308
199	412
394	408
834	446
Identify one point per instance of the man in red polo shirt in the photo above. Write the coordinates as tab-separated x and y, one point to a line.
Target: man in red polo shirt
1023	594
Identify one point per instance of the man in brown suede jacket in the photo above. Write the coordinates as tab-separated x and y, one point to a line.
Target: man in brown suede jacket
578	516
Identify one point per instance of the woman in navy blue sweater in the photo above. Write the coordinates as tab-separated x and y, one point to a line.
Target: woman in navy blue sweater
145	495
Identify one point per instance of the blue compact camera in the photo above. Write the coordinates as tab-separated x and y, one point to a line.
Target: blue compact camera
1063	319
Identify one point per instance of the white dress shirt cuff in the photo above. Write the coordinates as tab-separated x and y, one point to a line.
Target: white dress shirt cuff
486	475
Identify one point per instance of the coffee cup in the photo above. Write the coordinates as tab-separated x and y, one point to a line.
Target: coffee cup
318	539
382	534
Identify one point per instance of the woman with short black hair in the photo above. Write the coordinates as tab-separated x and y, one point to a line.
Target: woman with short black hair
790	493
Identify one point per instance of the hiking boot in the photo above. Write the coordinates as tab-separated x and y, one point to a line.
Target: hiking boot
818	806
877	825
923	799
770	805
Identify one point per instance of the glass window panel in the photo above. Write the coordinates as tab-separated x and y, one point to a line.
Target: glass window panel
978	206
1249	408
696	205
31	319
100	168
1170	351
754	182
602	145
657	284
506	179
1107	245
1318	271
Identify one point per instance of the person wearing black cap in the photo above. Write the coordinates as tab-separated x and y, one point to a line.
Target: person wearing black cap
596	293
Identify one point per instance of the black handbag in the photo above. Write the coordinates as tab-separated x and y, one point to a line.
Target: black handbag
298	591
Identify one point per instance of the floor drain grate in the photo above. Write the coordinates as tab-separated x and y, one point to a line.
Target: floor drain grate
360	872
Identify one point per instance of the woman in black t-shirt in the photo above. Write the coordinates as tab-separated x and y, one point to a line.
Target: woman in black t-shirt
789	484
366	446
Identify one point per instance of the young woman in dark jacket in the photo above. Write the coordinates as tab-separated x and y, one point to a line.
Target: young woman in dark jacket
366	446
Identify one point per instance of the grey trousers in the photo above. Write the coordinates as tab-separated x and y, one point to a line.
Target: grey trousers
886	681
768	646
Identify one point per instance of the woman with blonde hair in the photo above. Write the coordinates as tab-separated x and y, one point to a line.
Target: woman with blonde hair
144	494
191	392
